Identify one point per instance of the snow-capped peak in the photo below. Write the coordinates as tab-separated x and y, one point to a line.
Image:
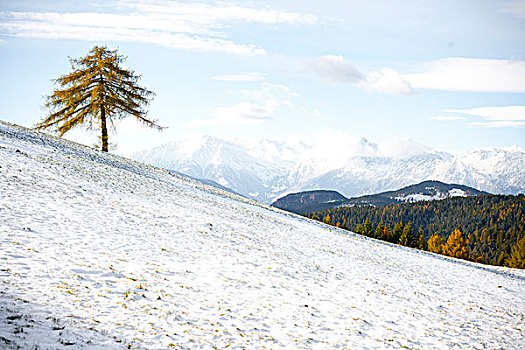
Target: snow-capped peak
265	169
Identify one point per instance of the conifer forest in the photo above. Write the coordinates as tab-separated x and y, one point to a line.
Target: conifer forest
489	229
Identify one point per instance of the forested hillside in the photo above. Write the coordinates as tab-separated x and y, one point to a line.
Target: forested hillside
492	226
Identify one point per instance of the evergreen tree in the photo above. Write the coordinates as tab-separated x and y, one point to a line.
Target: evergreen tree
397	232
358	229
407	238
517	255
344	226
421	242
379	230
368	229
456	245
97	93
387	234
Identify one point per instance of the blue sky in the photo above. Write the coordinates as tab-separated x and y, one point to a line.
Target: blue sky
446	74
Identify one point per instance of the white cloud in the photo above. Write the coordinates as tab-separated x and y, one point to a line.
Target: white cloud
450	74
498	124
491	117
313	112
515	113
400	148
271	94
324	142
470	74
515	7
387	81
166	39
264	102
335	68
185	26
248	77
444	118
219	11
240	114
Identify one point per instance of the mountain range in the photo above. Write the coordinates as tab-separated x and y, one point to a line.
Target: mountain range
269	169
310	201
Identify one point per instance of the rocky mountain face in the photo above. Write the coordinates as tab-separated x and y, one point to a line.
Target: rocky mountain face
269	169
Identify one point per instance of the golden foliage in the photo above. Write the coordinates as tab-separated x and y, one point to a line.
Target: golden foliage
435	244
95	94
456	245
517	255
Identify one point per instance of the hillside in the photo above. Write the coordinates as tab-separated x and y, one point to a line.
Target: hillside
324	200
303	202
493	224
269	169
98	251
424	191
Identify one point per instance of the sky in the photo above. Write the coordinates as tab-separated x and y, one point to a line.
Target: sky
449	75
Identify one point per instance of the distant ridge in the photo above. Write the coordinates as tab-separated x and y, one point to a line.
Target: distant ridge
304	201
267	170
309	201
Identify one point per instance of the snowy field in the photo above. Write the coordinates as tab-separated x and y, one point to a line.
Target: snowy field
100	252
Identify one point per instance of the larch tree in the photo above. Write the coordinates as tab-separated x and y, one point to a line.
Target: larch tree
96	94
407	238
456	245
517	254
435	244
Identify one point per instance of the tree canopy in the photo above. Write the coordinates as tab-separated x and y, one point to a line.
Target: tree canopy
488	228
97	93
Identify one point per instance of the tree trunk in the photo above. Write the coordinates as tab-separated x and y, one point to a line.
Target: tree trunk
104	129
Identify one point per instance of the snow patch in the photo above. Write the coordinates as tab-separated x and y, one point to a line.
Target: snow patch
456	192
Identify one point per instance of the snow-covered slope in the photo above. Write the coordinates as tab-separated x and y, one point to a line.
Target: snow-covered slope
100	252
269	169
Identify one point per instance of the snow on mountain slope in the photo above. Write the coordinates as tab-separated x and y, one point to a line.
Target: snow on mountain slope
223	162
456	192
270	169
100	252
505	168
375	175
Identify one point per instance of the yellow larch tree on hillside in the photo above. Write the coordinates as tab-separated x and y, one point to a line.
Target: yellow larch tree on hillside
95	94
